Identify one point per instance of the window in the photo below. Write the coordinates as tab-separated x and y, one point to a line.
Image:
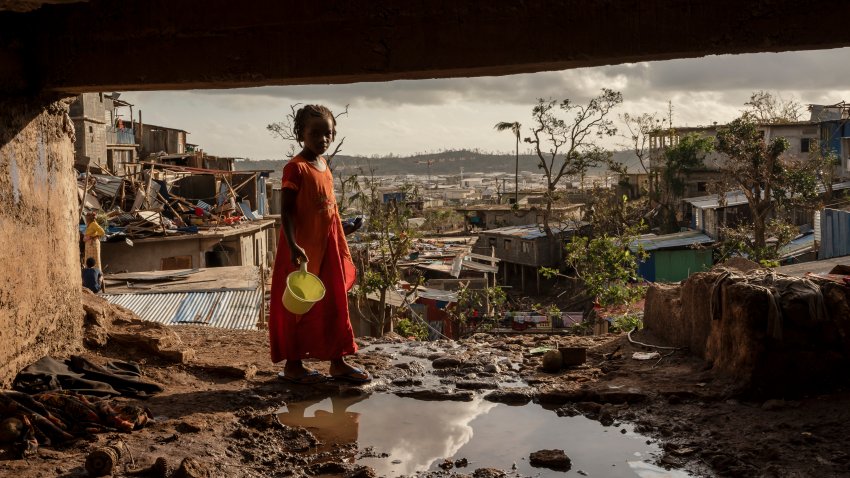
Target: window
805	144
507	244
526	247
702	186
491	242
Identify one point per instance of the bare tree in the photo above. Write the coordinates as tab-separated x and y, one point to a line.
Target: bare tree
567	148
638	130
285	130
766	107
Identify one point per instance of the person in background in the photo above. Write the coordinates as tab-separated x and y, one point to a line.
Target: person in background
93	277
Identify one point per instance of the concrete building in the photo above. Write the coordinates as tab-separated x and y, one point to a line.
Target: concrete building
248	244
491	216
89	112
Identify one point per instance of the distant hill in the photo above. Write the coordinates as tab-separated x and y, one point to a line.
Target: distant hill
441	163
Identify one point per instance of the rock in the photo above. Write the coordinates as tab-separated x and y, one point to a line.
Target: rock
438	394
492	368
461	463
511	396
191	468
589	409
552	361
553	459
477	384
446	361
488	473
606	417
550	395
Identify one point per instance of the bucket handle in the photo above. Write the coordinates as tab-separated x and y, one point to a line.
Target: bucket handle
303	265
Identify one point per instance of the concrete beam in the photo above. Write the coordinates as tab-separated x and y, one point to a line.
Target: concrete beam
162	44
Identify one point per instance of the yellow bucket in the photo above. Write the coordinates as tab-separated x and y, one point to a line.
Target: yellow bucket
303	289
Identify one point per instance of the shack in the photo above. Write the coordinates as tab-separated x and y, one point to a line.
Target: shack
522	250
246	244
674	257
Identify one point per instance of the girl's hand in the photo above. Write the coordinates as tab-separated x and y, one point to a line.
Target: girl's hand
298	255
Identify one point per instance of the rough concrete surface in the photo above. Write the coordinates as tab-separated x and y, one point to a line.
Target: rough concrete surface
40	310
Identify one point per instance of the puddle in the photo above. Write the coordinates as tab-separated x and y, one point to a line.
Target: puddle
403	436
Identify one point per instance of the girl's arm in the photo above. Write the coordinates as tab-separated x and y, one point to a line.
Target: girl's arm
287	207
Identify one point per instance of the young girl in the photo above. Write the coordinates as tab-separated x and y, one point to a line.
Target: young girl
314	233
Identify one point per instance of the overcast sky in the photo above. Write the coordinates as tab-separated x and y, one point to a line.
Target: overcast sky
405	117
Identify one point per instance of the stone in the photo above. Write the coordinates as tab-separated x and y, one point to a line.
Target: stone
511	396
488	473
478	384
446	361
553	459
572	356
552	361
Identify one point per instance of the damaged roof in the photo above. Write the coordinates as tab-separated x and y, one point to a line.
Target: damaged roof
651	242
230	309
532	231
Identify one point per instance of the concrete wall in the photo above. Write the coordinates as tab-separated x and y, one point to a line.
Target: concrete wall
40	310
89	113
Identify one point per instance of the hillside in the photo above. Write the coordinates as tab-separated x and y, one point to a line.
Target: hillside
441	163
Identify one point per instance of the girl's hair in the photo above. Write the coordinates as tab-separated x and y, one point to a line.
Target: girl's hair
311	111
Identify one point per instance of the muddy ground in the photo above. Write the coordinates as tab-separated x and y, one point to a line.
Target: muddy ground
219	406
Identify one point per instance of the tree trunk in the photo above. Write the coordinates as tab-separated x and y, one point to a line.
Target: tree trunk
516	174
383	312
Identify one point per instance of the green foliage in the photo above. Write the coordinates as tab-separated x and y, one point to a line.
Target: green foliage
627	322
441	219
391	240
566	147
412	328
740	241
606	265
611	213
770	185
682	158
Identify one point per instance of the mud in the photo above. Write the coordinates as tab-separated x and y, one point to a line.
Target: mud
224	409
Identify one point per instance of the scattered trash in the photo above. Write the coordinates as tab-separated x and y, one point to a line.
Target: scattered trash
103	461
646	355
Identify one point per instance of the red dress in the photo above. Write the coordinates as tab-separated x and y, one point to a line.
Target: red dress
324	332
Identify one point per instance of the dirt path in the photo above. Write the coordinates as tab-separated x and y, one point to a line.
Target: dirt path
218	408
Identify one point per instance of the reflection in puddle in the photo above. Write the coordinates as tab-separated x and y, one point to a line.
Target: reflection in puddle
417	435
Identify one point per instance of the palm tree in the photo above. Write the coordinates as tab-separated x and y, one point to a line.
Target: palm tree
514	127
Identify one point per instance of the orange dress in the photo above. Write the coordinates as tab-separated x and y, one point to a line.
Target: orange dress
324	332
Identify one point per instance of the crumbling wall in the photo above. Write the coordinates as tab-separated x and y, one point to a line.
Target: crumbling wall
40	309
726	319
662	314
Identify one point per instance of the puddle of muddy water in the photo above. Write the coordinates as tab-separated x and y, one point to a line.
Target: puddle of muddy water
404	436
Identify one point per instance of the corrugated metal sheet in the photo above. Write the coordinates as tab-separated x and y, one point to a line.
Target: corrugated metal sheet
835	233
736	198
671	241
532	231
798	246
107	185
232	309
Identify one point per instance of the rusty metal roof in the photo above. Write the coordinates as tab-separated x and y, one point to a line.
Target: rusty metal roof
232	309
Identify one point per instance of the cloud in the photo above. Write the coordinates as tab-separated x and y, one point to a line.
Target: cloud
408	116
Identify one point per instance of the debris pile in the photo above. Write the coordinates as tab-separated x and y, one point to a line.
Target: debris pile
157	199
